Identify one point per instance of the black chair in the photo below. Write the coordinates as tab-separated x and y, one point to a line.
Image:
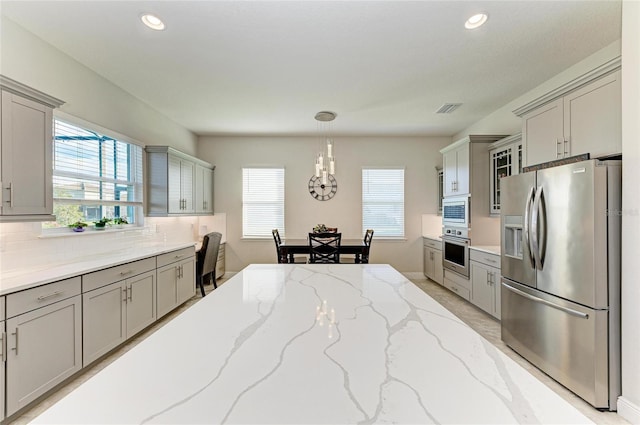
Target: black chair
364	257
207	259
368	235
324	247
282	258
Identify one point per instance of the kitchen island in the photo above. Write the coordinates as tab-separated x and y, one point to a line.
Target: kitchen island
288	343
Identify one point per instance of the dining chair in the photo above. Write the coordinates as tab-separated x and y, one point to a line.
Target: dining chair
364	257
324	247
282	258
207	259
368	236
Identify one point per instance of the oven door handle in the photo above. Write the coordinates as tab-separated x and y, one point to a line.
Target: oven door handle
527	218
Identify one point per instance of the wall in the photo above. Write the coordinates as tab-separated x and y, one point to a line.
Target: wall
629	403
31	61
419	156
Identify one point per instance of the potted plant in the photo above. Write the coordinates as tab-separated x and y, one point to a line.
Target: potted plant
102	223
120	221
78	226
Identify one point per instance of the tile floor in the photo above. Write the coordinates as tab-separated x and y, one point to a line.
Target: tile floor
481	322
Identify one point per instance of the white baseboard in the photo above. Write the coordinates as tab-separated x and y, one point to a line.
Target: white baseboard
628	410
414	275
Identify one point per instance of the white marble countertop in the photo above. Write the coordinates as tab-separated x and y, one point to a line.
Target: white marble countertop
433	237
285	343
30	277
486	248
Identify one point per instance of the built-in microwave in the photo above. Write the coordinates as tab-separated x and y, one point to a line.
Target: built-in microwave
455	211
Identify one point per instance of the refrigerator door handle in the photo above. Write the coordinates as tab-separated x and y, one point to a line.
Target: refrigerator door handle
547	303
525	231
534	229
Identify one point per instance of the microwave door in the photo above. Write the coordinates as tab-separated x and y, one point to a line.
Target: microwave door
517	259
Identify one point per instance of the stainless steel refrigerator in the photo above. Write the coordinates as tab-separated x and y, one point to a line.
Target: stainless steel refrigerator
560	240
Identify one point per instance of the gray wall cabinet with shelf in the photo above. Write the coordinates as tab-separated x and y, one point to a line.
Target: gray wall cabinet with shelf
582	116
177	183
26	153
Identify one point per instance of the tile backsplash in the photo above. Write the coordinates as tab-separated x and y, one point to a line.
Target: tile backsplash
22	245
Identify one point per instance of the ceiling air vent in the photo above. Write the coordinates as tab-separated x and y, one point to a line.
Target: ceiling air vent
448	108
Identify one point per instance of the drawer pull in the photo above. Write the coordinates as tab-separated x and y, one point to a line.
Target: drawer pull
126	273
490	260
178	256
53	294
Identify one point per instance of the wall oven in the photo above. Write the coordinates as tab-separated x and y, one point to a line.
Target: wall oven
455	252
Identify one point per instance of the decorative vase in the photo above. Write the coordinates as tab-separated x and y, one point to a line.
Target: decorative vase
78	229
99	227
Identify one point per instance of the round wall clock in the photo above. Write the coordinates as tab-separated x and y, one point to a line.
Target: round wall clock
323	192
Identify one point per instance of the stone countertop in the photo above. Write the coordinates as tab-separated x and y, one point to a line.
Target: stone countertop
495	250
287	343
433	237
31	277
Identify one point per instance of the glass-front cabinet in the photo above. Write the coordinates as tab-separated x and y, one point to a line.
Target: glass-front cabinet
506	160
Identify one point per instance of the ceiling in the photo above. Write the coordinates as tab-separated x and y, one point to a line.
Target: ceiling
267	67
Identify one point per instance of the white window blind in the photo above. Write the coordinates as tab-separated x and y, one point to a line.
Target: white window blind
383	201
262	202
94	176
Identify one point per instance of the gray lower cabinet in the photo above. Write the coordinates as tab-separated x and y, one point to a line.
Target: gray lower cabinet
485	282
44	340
176	279
433	260
3	356
115	311
220	267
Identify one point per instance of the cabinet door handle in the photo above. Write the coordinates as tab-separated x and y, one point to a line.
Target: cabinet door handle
131	293
3	346
124	291
181	272
566	144
557	144
10	200
16	334
53	294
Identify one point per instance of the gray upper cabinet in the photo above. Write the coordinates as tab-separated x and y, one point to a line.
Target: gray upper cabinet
204	190
177	183
583	116
26	143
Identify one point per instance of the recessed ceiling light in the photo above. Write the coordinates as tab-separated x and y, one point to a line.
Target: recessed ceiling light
152	22
475	21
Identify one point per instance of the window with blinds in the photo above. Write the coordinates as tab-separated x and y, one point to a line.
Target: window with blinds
262	202
383	201
94	176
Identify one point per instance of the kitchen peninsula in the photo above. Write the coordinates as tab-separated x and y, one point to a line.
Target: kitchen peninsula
285	343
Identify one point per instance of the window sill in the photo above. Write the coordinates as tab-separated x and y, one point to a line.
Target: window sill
62	233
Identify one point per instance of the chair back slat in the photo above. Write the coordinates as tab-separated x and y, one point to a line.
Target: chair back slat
276	238
324	247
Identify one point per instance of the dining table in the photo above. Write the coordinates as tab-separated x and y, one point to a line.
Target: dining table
290	247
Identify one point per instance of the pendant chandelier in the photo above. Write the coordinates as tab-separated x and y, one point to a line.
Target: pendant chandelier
325	161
